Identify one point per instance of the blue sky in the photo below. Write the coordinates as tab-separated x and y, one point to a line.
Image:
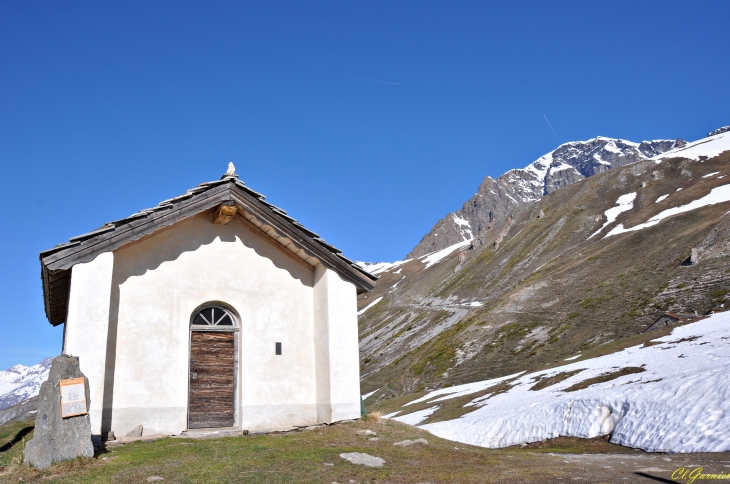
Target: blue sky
110	107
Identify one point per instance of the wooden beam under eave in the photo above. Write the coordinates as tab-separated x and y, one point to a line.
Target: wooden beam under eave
225	213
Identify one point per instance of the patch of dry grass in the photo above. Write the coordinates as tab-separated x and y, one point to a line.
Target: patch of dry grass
543	382
604	378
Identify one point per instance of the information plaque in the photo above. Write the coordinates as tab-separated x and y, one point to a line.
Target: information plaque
73	397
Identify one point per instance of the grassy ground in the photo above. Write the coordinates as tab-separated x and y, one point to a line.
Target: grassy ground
12	442
301	456
313	456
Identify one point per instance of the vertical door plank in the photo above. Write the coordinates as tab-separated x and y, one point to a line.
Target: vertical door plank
211	393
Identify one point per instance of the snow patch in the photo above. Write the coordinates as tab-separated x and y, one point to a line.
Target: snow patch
611	146
396	284
464	227
362	311
364	397
561	167
661	198
416	417
459	390
434	257
375	268
717	195
710	174
572	358
623	204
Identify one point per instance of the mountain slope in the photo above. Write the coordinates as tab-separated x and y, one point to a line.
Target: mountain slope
548	281
649	396
569	163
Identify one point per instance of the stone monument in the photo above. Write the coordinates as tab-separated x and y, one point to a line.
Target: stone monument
57	439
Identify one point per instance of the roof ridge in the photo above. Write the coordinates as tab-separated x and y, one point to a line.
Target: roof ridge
56	262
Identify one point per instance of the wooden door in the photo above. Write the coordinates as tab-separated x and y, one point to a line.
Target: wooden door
211	380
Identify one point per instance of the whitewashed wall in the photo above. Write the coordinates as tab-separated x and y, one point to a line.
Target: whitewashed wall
87	323
150	295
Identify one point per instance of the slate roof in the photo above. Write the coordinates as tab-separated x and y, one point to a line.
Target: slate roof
56	263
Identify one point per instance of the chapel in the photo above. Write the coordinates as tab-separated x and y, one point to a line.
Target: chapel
214	309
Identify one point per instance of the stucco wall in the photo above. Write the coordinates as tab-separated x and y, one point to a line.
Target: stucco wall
336	347
157	284
86	326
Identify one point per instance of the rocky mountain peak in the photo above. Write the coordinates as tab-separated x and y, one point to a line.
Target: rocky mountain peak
567	164
724	129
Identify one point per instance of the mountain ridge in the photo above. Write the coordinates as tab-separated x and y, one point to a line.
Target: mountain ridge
568	163
20	382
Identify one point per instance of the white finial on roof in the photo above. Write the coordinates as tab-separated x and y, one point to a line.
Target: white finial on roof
231	169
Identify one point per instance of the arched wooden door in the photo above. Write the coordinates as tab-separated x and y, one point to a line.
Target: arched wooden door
212	369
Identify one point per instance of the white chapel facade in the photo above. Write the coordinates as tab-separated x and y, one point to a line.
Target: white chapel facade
214	309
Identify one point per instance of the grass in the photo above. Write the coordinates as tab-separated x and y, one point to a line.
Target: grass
544	382
604	378
12	442
305	456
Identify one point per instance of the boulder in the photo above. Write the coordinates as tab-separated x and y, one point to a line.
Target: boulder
58	439
406	443
363	459
365	433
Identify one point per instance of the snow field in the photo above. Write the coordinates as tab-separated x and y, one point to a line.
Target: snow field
680	403
709	147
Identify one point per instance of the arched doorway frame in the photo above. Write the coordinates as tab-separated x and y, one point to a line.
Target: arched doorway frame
234	328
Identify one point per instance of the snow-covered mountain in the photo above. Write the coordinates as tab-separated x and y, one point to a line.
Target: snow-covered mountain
20	382
567	164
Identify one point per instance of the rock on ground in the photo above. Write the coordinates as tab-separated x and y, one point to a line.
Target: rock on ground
406	443
365	432
363	459
135	432
57	439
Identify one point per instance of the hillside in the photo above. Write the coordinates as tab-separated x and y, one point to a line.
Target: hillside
663	387
597	260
